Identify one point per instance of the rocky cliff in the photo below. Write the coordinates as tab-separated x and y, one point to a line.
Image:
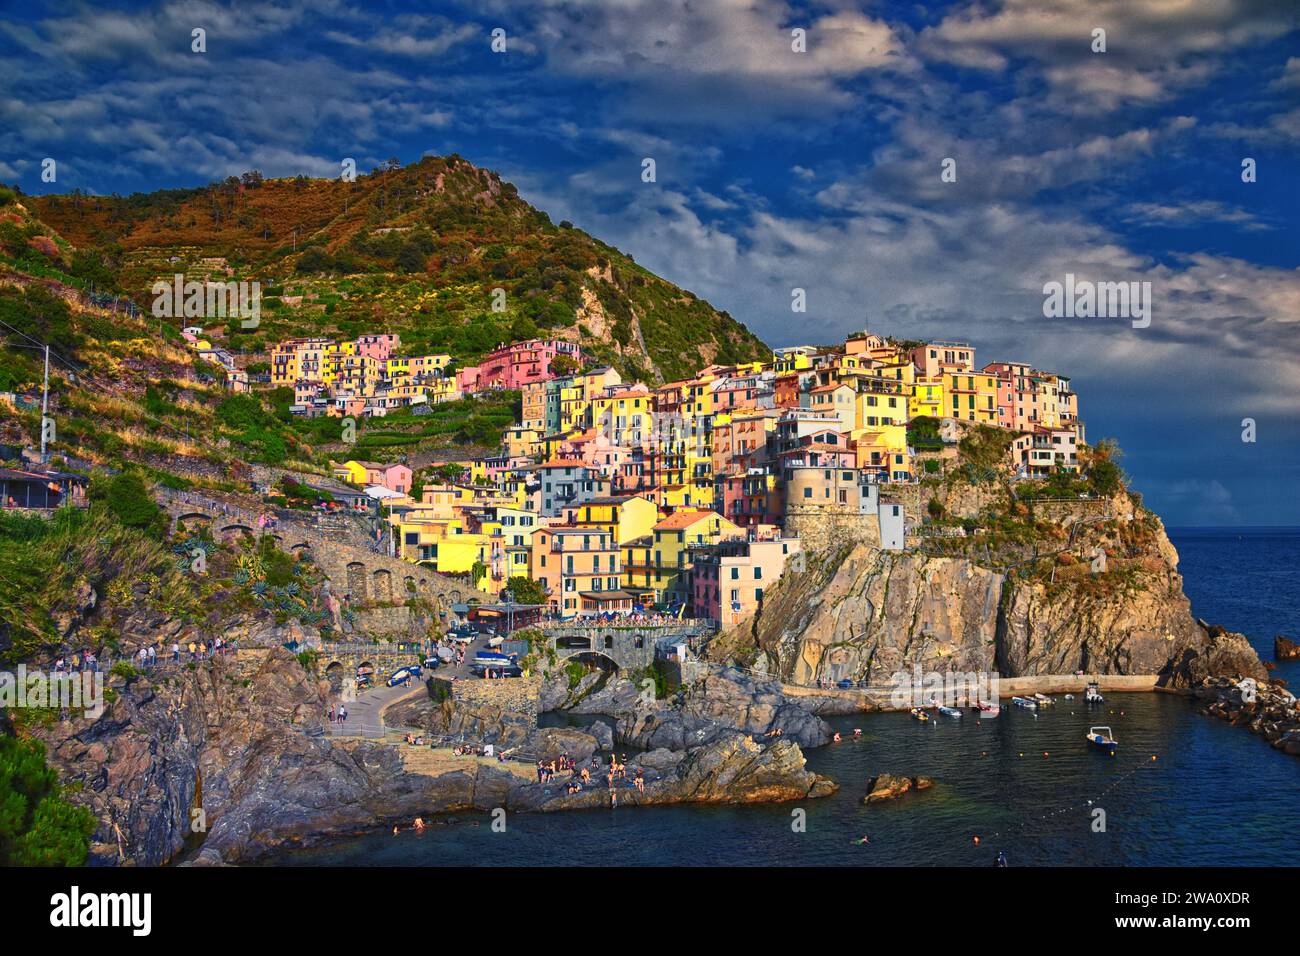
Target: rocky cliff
227	760
1029	608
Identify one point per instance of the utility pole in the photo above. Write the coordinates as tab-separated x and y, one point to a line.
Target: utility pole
45	401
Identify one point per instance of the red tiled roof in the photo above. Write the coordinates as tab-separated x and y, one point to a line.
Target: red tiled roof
684	519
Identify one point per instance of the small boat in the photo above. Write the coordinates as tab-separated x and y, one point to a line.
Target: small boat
1027	702
950	711
1093	694
919	714
1043	700
1069	697
989	710
1100	737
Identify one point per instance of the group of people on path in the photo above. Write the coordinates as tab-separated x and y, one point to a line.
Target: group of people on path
338	715
146	657
77	663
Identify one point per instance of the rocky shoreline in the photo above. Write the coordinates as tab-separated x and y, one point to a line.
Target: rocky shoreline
229	761
1267	710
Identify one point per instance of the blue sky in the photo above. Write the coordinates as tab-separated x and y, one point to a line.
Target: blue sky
779	169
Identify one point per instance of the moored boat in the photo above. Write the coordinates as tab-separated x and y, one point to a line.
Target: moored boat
1027	702
1043	700
1101	737
989	710
950	711
919	714
1093	694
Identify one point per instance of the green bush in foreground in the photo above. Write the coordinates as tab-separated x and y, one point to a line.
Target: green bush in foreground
37	827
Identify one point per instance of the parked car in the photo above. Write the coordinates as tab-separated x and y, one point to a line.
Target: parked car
845	684
401	675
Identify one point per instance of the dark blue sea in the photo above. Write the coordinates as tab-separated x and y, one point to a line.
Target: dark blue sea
1182	790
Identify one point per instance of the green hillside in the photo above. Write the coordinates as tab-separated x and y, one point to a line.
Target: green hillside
417	250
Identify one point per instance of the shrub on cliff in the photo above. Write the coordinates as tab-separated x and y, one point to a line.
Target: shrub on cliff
128	500
1105	477
37	826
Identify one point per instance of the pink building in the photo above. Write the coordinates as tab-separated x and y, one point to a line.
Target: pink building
395	477
728	581
378	347
751	499
521	363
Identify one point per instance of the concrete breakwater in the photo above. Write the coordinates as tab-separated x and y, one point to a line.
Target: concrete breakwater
870	699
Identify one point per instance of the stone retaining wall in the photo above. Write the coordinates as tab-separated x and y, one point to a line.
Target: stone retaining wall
517	695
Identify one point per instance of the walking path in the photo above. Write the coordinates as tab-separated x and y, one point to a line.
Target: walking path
365	714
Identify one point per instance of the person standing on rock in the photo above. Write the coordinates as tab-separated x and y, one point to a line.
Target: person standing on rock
331	713
343	714
176	652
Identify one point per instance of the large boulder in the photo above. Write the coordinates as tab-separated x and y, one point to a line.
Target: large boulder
732	769
888	786
708	710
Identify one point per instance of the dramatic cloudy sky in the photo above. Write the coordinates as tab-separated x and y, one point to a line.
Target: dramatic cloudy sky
778	169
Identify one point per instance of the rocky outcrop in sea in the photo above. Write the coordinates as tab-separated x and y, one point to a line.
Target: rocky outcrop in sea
1266	709
864	614
721	703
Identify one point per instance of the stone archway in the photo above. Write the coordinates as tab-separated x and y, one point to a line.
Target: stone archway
193	517
455	597
235	530
383	586
357	581
595	659
334	673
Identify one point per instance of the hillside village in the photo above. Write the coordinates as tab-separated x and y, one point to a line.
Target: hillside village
545	470
691	496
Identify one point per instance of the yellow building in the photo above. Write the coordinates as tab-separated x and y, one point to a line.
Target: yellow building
299	360
972	396
661	562
353	472
797	358
926	399
881	401
623	518
579	568
623	416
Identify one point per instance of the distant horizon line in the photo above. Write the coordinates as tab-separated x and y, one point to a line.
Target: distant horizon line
1234	527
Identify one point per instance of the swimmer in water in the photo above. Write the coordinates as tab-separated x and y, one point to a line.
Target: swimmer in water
863	841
